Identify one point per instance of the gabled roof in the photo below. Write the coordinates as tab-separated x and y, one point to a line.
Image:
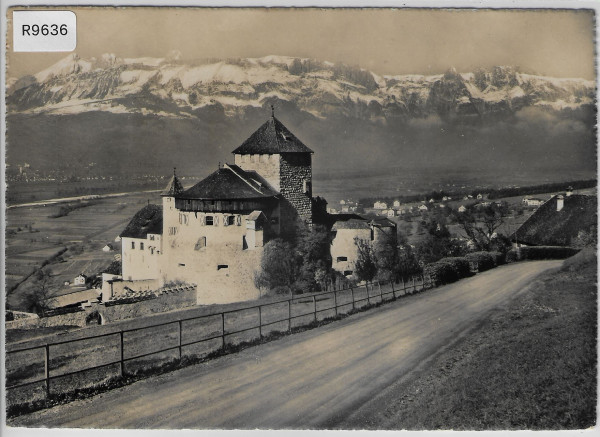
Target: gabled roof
382	222
272	138
230	182
549	227
147	220
351	224
174	187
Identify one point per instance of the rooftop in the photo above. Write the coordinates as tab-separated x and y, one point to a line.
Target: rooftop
174	187
230	182
550	227
272	138
147	220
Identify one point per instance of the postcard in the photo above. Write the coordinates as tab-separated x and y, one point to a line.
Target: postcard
300	218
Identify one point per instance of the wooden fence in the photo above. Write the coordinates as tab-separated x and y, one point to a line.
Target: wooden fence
62	366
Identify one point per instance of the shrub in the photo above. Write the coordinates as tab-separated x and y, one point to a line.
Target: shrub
540	252
448	270
499	258
484	260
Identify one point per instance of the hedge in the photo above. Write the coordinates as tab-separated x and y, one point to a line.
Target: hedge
447	270
484	260
540	252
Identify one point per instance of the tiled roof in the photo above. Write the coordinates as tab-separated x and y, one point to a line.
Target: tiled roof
174	187
352	223
147	220
549	227
230	182
272	138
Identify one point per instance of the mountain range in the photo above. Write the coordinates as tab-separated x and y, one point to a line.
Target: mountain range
146	115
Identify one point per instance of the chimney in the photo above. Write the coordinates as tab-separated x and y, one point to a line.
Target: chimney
569	191
560	202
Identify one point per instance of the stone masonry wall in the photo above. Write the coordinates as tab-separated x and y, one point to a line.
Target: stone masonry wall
295	169
167	300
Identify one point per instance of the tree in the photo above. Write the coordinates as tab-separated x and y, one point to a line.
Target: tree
408	263
365	267
385	253
481	228
40	298
280	267
438	244
313	250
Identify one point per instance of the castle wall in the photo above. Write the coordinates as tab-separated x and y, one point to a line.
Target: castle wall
212	256
268	166
140	257
343	245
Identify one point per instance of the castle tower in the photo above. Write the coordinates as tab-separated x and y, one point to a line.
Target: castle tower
285	162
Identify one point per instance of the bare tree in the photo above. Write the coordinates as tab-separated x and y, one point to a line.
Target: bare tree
40	298
481	228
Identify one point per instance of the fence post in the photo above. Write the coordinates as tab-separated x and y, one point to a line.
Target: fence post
122	362
179	322
352	291
403	287
368	297
47	369
393	290
414	286
223	328
380	295
290	315
315	304
260	321
335	302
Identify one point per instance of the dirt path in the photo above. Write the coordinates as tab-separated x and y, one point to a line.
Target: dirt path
308	380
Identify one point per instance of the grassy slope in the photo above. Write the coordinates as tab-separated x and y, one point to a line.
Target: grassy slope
530	366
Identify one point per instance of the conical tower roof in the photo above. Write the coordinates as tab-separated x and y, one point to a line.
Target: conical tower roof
174	187
272	138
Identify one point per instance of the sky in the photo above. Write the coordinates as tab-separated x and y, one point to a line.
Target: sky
387	41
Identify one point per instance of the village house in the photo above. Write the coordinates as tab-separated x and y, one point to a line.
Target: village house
380	205
560	221
531	201
462	208
396	204
348	230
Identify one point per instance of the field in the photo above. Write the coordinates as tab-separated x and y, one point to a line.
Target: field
35	235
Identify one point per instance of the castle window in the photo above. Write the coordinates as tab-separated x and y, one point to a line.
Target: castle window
172	230
200	243
183	219
210	220
141	246
222	266
306	186
342	258
152	237
152	251
230	220
181	265
133	244
347	272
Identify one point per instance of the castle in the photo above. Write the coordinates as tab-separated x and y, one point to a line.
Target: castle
212	234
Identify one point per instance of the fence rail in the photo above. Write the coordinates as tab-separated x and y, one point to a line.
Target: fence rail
355	296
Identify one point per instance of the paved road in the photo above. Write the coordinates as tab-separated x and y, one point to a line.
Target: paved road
309	380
